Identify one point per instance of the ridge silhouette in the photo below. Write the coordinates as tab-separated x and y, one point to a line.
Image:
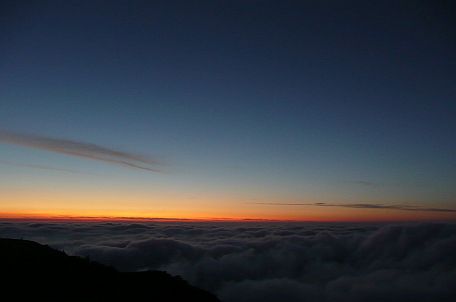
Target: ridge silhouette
34	272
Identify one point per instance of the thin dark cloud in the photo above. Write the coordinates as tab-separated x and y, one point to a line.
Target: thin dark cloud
40	167
362	206
80	149
364	183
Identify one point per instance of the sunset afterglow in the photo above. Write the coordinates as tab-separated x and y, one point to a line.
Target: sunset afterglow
228	150
259	125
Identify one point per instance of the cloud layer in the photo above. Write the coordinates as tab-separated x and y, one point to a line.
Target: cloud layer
80	149
272	262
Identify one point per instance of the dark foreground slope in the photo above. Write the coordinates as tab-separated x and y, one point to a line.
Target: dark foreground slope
35	272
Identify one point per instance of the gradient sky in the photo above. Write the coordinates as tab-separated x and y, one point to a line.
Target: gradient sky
312	110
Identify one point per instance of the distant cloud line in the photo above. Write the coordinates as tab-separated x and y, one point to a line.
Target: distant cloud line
361	206
80	149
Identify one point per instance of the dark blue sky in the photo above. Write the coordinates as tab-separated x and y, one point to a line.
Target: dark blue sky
315	100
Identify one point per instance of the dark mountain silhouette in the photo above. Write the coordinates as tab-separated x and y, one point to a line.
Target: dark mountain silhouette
35	272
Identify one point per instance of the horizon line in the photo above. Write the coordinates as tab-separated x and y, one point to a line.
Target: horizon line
97	218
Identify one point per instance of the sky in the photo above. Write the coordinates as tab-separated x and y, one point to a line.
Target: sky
289	110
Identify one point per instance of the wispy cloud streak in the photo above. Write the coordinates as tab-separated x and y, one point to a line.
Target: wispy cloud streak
40	167
361	206
364	183
80	149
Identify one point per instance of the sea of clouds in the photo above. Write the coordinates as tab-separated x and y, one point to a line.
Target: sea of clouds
271	261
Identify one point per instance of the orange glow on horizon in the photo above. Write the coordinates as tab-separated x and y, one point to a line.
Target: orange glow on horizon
117	205
132	216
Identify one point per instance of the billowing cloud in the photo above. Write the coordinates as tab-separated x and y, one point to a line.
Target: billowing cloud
80	149
364	206
249	262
